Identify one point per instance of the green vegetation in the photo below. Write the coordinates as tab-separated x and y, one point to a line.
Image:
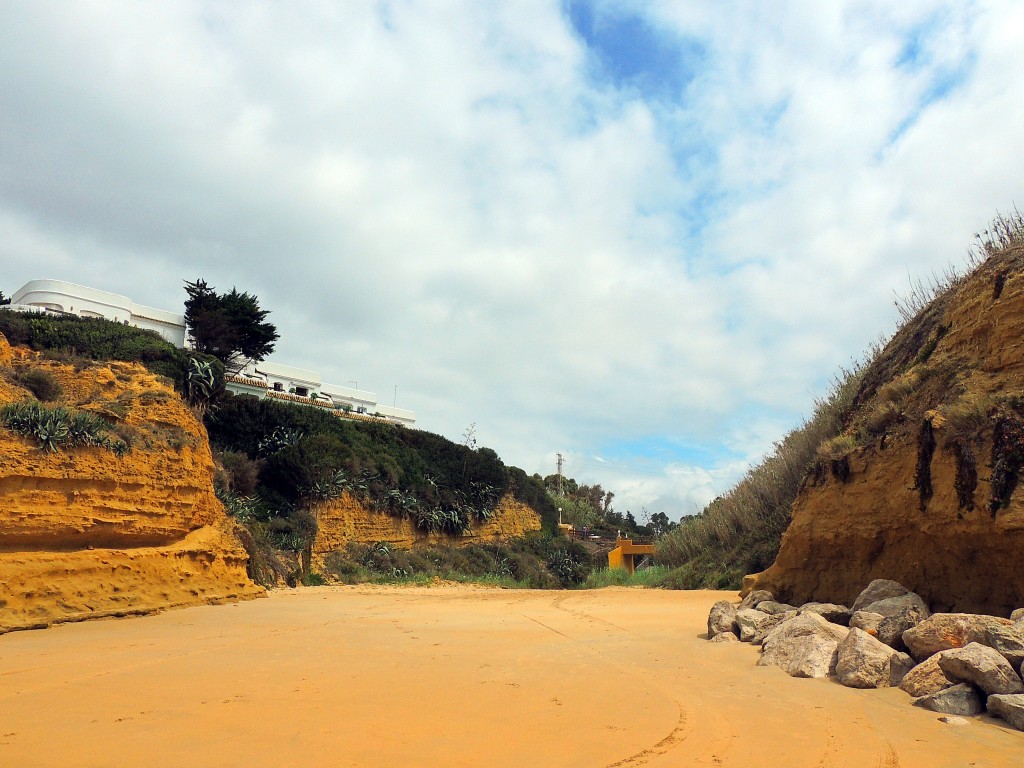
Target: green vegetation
536	562
739	533
83	340
230	326
58	427
280	460
653	576
41	383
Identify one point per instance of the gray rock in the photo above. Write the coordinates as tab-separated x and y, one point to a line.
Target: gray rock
926	678
983	666
865	662
867	621
837	614
722	619
725	637
1009	641
755	597
891	628
879	589
813	656
1017	615
766	627
804	646
753	622
892	606
943	631
1008	706
960	699
773	607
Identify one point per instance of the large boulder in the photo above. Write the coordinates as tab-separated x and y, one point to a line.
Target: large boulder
943	631
754	625
926	678
868	621
837	614
754	598
1009	706
1009	641
865	662
879	589
983	666
722	619
804	646
773	607
960	699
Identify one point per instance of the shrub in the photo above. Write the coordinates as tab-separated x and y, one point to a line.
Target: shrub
42	384
967	418
837	448
53	428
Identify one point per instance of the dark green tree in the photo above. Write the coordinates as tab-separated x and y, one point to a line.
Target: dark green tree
3	299
230	326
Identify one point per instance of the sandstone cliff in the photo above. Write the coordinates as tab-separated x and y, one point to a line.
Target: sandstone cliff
345	520
85	533
922	487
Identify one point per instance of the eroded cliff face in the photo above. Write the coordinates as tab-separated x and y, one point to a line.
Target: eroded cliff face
928	498
345	520
84	533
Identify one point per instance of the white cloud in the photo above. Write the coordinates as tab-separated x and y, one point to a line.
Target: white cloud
442	197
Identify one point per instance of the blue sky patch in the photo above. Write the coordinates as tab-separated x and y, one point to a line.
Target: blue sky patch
630	53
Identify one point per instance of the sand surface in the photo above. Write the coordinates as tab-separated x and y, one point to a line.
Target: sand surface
448	676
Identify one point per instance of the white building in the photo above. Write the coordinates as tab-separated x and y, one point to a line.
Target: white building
263	379
71	299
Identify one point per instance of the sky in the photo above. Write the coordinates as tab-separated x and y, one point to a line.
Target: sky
645	235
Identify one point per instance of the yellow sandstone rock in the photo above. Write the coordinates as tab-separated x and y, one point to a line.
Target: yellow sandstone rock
345	520
84	533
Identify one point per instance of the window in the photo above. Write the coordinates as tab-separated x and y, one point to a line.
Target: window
302	391
278	386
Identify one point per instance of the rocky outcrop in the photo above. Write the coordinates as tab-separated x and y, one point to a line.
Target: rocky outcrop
926	678
983	667
84	533
804	646
915	502
944	631
722	619
960	699
1010	707
346	520
865	662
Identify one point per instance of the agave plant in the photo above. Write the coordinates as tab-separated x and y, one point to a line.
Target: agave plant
280	438
52	429
200	379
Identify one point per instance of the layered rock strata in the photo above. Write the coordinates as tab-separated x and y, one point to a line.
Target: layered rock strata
85	533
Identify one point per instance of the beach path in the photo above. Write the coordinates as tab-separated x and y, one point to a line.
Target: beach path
448	676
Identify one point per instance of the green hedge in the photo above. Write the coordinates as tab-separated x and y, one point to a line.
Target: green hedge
402	470
102	340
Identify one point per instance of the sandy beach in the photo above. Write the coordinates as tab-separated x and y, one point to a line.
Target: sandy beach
448	676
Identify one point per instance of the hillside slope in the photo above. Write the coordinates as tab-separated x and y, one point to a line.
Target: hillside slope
85	532
921	487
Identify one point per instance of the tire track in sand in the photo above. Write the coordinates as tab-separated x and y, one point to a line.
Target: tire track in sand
678	732
667	744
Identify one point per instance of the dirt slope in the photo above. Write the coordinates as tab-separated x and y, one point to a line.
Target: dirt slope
84	533
923	490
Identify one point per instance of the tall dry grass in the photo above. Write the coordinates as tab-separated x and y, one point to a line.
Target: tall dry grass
740	531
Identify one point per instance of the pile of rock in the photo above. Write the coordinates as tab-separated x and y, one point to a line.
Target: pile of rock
954	663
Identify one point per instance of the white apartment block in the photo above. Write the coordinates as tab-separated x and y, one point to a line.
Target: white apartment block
263	379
